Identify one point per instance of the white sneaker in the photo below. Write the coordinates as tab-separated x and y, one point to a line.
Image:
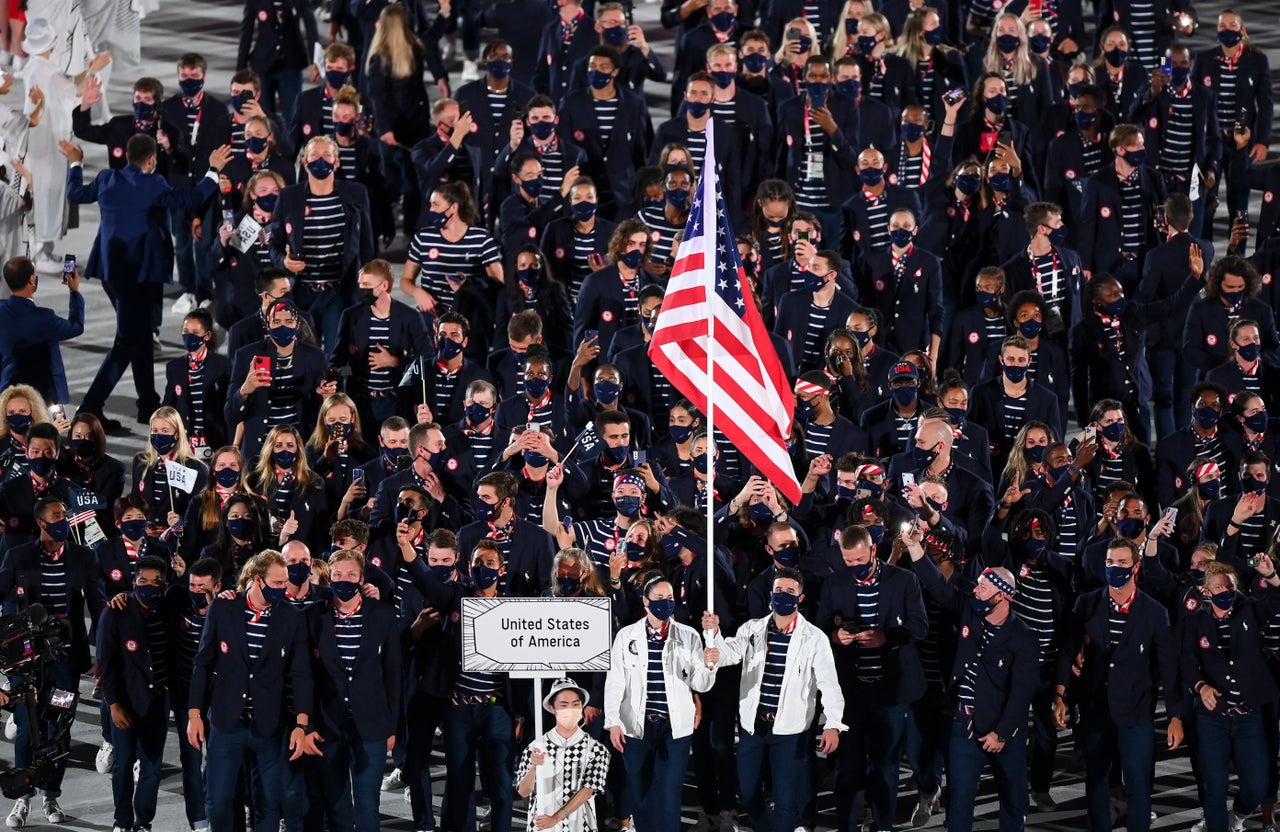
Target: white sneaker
52	811
393	781
137	768
184	304
1236	822
19	64
407	801
5	57
105	759
470	72
120	829
10	728
18	817
729	822
925	807
1200	825
46	264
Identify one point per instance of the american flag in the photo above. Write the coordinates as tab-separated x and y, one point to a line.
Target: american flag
747	385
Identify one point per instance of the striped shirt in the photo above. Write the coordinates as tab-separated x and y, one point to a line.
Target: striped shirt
606	110
909	168
655	699
1176	156
1015	414
870	659
195	394
553	168
1225	91
446	384
969	681
188	643
379	335
322	236
346	163
817	438
696	143
1132	201
993	328
815	335
1051	281
346	631
497	101
877	221
158	650
437	257
662	233
1068	530
584	245
811	189
53	581
1142	26
1034	605
775	664
1109	471
255	635
476	684
1116	619
601	537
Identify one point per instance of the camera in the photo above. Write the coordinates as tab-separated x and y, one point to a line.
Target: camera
29	641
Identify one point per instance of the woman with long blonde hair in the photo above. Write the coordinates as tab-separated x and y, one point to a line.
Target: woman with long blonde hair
842	40
294	494
799	43
937	67
21	406
1026	79
337	447
395	69
168	446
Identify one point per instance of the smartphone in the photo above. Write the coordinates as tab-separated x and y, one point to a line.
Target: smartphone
331	375
794	33
229	218
1242	214
68	266
262	364
908	479
1167	66
357	475
1242	120
1170	513
905	528
639	457
851	627
953	97
57	412
595	260
1091	432
1161	219
590	335
62	699
802	235
1005	137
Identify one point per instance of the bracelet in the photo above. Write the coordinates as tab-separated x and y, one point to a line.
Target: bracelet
1199	686
1231	524
1057	694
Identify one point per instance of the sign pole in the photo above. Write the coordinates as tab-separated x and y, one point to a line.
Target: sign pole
708	187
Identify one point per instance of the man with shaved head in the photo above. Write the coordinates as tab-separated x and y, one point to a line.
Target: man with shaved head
866	213
932	455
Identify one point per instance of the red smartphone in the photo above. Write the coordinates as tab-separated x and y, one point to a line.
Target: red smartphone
262	363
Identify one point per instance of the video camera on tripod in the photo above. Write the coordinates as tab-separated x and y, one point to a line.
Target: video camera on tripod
29	641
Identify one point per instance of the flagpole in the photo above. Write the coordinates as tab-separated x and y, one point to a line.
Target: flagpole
709	193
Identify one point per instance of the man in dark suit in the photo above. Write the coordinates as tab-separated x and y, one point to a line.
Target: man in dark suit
133	256
251	644
29	334
357	674
566	39
60	576
280	52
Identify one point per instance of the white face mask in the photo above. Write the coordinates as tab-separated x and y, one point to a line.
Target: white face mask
568	717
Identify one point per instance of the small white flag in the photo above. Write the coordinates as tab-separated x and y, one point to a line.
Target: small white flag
246	233
181	476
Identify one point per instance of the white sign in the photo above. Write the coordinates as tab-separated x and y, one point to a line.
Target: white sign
180	476
536	635
246	233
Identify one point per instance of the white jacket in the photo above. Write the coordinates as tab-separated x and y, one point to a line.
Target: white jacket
683	672
810	668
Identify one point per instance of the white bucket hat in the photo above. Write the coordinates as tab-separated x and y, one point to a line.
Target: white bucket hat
40	37
563	685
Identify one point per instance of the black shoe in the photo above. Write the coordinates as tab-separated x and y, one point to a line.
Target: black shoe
114	427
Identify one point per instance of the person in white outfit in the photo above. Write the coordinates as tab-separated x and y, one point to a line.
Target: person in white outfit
564	769
50	122
786	662
656	667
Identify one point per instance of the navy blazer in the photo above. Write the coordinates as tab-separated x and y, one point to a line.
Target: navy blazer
411	337
20	580
1100	218
1206	137
1253	88
116	132
529	564
1065	173
215	127
116	567
125	671
1163	271
1206	338
1019	275
18	505
473	97
289	221
134	243
433	159
29	337
279	46
215	376
309	365
446	514
986	408
1007	673
223	656
1243	174
1231	379
611	166
556	57
1176	451
967	345
840	149
1119	681
855	245
369	692
412	389
900	615
1204	660
600	305
911	306
793	321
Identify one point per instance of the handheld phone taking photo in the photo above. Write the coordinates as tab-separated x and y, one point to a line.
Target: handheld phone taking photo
68	266
262	364
1170	513
57	412
639	457
1091	432
953	97
908	479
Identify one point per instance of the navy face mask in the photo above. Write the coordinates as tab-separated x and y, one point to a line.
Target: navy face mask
905	396
133	529
148	594
784	603
968	183
344	590
1118	576
191	87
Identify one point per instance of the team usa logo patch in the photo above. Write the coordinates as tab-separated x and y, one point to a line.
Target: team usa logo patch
433	253
116	575
1192	605
1204	642
224	647
452	464
306	129
578	135
964	631
560	252
1211	339
1105	212
131	646
1267	196
974	337
606	316
262	15
117	152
